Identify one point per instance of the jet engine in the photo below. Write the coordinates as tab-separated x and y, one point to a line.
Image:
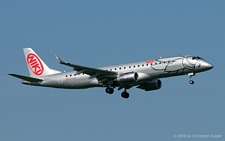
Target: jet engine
127	77
151	85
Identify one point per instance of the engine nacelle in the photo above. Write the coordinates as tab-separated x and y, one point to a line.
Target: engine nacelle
127	77
151	85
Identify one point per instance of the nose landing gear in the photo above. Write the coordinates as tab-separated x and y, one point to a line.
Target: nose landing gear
191	75
191	82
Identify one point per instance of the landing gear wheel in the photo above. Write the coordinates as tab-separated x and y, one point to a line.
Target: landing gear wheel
191	75
191	82
125	94
109	90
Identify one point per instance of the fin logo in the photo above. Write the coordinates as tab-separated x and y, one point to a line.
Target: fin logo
35	64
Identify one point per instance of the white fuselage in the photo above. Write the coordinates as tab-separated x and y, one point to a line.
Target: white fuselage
146	70
144	75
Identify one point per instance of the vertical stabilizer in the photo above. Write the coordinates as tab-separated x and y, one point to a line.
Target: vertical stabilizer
36	66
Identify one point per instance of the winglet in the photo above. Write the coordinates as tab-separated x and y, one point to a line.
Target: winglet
60	60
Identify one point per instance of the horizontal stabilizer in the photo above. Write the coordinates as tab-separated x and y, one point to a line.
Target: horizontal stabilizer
30	79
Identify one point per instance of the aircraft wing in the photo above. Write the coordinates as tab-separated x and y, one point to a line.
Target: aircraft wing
30	79
101	75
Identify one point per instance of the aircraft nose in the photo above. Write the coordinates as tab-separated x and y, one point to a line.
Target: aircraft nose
207	65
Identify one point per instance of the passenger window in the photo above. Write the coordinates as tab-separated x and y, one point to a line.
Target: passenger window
66	75
124	67
129	66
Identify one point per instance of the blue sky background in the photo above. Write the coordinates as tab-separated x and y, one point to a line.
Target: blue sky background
99	33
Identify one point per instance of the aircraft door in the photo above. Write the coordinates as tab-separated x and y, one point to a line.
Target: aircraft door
60	79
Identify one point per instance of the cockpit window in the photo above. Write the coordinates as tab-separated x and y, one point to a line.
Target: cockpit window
193	58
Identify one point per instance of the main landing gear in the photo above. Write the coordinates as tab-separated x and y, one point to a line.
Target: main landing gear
124	94
109	90
191	75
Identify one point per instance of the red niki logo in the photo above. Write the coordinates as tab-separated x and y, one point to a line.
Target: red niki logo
35	64
149	61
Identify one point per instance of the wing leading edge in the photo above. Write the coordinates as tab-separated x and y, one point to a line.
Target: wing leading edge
103	76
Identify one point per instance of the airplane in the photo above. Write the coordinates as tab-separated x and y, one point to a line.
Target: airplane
144	75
